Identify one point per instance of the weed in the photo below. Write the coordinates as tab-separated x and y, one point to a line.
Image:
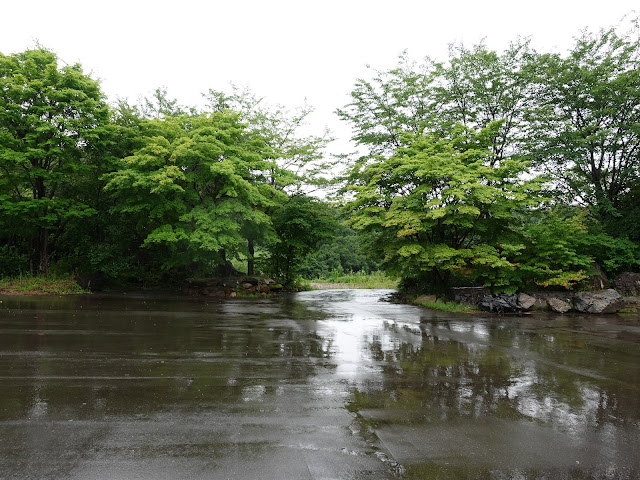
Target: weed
447	306
357	280
40	285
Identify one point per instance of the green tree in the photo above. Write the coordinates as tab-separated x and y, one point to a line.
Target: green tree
476	87
553	253
438	209
51	118
575	118
302	223
105	246
480	87
297	160
347	252
585	131
298	157
193	189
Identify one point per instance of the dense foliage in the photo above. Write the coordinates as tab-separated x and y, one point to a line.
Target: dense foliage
150	193
50	123
512	170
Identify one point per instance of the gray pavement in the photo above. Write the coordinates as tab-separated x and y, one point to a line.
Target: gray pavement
318	385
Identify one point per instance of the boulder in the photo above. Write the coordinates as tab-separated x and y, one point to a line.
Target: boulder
628	284
558	305
541	298
526	301
631	304
603	301
502	303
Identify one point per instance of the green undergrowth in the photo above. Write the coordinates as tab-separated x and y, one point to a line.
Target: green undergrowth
446	306
40	285
357	280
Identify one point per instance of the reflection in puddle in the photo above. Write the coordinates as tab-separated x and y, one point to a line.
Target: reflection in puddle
39	408
253	393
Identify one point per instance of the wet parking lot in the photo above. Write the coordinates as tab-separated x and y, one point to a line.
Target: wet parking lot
333	384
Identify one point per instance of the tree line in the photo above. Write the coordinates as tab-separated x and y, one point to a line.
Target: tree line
514	169
151	193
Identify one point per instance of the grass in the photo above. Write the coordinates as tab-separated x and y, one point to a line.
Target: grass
40	285
355	280
447	306
628	310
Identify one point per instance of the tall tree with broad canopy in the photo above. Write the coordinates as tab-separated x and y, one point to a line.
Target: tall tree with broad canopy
297	161
193	189
585	131
298	157
474	88
50	118
439	209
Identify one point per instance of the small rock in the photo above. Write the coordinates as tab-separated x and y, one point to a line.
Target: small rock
558	306
526	301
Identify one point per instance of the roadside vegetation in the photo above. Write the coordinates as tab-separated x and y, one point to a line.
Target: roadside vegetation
445	306
354	280
40	285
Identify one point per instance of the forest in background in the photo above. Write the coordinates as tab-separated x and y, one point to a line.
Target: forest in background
514	170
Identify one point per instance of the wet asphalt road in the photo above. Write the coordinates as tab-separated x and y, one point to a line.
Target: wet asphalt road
317	385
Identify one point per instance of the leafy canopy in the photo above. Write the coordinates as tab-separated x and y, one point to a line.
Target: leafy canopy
193	187
51	120
438	208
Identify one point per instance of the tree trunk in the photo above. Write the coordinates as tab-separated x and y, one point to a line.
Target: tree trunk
39	262
44	251
250	259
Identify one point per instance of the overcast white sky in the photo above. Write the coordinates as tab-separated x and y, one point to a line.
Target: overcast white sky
283	50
